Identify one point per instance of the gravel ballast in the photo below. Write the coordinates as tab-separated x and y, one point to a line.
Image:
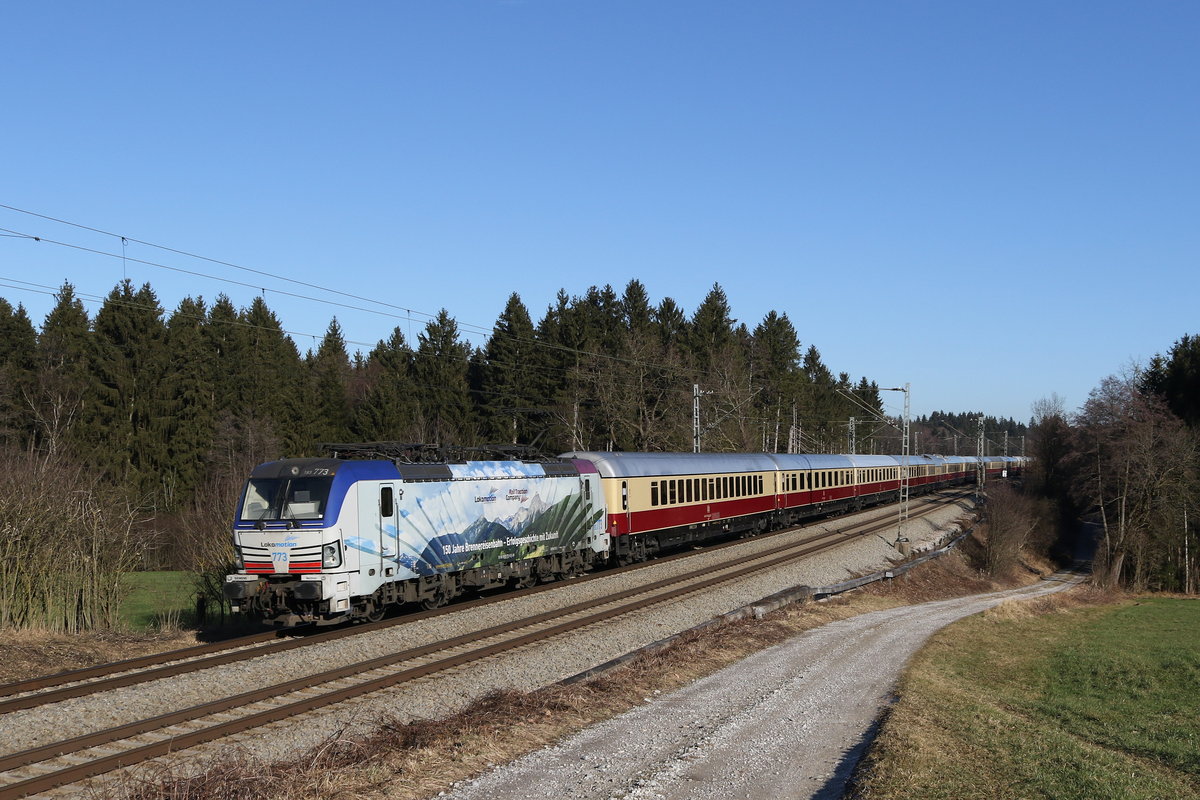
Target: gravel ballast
524	669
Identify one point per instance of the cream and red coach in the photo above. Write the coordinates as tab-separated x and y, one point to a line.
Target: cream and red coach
658	501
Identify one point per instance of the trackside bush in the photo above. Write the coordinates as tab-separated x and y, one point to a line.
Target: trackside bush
64	544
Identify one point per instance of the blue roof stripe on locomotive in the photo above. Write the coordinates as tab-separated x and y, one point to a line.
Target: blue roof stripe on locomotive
350	473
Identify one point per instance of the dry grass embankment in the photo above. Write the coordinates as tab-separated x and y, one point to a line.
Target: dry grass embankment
32	653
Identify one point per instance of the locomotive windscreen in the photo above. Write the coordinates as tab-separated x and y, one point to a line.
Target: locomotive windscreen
285	498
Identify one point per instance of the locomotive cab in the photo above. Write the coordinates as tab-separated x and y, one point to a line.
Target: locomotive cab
293	563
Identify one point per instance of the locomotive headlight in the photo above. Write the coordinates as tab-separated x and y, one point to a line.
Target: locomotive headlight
331	555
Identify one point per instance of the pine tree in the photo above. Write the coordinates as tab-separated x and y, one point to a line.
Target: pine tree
555	375
820	408
330	373
1181	379
18	375
271	381
189	389
227	339
124	428
710	335
66	384
775	361
440	374
389	409
508	377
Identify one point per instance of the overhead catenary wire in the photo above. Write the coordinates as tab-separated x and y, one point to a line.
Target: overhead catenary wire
466	326
407	316
666	369
532	341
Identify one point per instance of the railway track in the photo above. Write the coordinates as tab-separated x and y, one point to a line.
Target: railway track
89	680
78	758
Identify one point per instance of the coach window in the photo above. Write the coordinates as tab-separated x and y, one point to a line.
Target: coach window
687	490
653	493
624	495
671	489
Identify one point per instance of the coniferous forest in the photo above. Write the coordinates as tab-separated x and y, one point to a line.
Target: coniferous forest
129	431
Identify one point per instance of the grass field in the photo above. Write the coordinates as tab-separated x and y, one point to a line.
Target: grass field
159	599
1100	702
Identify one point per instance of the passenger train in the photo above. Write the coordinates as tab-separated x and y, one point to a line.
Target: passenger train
323	540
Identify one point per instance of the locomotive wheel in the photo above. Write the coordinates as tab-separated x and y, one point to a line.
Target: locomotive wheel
375	613
437	601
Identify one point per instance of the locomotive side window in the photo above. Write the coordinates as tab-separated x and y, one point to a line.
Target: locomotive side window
624	495
386	504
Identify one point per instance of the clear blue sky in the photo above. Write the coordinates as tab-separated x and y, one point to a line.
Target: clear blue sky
992	201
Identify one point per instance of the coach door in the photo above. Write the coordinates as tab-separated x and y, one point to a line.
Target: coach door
625	506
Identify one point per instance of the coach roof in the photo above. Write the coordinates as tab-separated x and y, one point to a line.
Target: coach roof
651	465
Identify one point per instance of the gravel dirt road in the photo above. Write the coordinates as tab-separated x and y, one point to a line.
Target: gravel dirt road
789	722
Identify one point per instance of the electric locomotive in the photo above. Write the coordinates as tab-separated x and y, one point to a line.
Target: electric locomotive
321	540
